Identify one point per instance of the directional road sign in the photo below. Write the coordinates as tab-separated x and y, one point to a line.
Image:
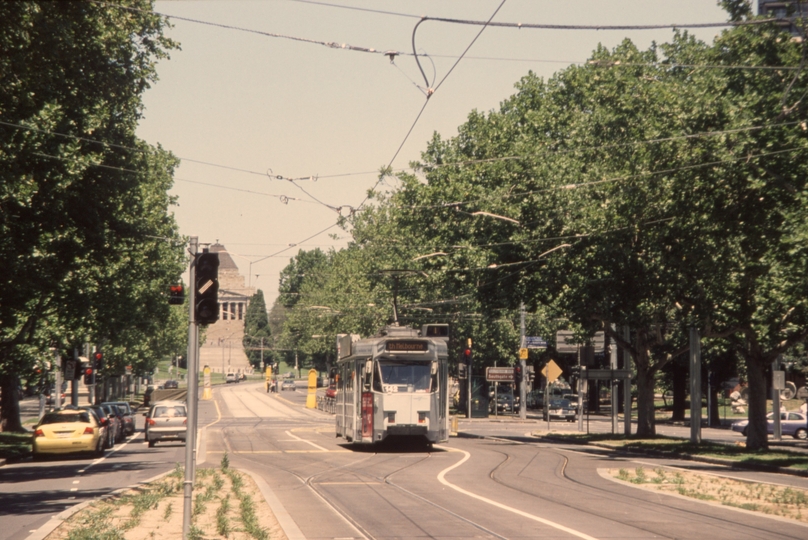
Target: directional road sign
551	371
606	374
499	374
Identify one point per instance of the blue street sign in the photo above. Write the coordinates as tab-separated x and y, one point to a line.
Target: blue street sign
535	342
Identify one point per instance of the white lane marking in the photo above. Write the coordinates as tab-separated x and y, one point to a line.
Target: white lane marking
74	489
442	480
76	481
305	441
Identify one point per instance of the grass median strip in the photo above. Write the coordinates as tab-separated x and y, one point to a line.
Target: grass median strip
783	501
737	454
155	511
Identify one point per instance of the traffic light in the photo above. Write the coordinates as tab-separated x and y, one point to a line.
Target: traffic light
467	353
98	361
206	308
517	375
575	372
89	374
176	295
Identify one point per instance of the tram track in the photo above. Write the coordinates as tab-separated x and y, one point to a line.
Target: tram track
630	500
363	468
369	472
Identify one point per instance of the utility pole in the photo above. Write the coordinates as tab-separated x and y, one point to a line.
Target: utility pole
74	384
627	383
695	386
522	365
190	436
778	429
613	383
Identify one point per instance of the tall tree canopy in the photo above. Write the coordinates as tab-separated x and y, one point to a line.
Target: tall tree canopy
257	333
86	238
659	190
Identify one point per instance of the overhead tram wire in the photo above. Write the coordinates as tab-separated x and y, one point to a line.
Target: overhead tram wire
602	181
430	166
386	52
553	26
429	93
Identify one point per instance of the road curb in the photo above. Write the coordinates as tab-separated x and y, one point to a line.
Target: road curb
285	521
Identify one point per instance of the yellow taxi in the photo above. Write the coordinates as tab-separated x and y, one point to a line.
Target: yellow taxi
68	431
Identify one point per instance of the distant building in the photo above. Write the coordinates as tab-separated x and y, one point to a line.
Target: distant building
223	350
782	9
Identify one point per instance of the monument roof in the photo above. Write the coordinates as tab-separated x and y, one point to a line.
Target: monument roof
226	262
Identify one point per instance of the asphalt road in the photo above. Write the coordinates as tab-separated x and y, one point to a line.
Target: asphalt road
32	493
506	485
493	481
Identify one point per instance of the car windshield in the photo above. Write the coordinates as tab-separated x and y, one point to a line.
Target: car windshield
405	377
56	418
124	408
168	412
559	403
116	408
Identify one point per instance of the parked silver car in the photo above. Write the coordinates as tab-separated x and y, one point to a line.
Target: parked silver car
166	420
791	423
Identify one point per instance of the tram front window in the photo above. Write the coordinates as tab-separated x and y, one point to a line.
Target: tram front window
403	377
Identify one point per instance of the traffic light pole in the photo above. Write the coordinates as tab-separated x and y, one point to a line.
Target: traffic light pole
193	368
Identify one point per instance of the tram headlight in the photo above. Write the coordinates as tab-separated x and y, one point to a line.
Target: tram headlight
422	417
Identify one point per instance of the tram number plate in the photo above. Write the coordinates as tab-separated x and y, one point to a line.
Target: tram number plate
407	346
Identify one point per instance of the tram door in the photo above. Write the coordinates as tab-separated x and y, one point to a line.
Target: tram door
443	405
349	400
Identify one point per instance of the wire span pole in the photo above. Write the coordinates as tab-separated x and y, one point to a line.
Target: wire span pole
191	399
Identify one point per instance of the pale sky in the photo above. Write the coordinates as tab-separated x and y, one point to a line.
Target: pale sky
252	106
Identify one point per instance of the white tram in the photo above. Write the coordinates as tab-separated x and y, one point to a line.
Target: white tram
395	383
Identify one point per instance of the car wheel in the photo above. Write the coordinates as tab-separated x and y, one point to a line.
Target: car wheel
99	451
801	434
152	443
745	431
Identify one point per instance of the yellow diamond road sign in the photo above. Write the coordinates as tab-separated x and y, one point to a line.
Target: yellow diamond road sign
551	371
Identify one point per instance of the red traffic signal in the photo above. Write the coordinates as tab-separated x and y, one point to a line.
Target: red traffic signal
176	295
98	360
89	375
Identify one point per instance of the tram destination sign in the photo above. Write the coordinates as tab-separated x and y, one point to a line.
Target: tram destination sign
407	346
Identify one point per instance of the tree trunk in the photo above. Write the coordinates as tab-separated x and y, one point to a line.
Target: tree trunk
646	383
679	372
10	404
757	437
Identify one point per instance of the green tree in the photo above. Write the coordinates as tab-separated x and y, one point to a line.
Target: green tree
635	192
83	201
257	334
